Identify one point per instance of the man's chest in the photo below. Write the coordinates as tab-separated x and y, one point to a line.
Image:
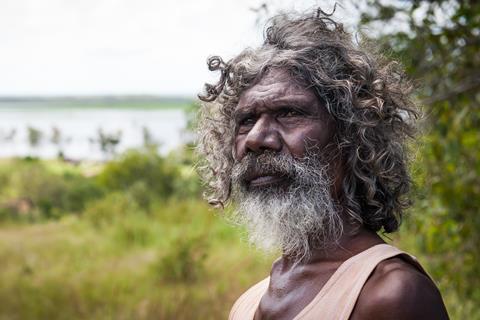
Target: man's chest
288	295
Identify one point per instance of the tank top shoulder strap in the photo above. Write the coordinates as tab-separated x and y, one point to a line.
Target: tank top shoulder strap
336	299
247	304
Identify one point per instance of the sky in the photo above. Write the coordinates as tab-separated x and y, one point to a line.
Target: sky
120	47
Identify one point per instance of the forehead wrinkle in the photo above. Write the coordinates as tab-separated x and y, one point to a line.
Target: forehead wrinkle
262	95
283	96
275	89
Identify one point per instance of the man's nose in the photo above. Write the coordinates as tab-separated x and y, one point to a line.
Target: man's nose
263	136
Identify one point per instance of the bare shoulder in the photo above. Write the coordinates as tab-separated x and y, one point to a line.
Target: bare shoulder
397	290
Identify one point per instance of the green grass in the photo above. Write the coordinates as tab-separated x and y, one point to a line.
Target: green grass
181	262
124	252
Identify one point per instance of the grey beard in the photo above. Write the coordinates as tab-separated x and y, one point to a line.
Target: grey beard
296	217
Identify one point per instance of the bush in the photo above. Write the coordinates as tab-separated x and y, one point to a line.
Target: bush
30	189
140	168
188	184
80	191
107	210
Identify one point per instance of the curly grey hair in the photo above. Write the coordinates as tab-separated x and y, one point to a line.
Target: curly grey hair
368	96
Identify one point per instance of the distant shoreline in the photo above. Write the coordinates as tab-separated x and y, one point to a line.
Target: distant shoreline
96	102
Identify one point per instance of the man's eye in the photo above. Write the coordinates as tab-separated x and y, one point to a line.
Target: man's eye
289	113
247	121
244	125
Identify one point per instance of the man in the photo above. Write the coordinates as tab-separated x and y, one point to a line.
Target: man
306	136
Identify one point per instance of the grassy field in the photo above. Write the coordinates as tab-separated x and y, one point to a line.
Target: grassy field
181	262
131	239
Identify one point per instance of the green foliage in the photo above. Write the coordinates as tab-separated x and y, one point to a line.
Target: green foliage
80	191
440	49
185	261
109	208
188	183
135	229
30	190
45	190
108	141
136	266
143	172
35	136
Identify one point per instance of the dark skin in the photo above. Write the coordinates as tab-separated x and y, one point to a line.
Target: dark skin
279	115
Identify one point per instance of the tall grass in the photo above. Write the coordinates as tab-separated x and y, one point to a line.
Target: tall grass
135	241
175	262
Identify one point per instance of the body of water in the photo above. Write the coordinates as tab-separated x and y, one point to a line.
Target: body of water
77	133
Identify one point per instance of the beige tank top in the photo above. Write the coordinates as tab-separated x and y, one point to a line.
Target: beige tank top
336	299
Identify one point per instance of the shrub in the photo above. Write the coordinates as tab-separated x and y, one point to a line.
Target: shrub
29	188
107	210
80	190
32	182
143	169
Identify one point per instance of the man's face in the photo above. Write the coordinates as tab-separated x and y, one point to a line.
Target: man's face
279	116
280	178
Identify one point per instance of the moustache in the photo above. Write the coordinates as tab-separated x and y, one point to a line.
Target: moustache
253	166
280	167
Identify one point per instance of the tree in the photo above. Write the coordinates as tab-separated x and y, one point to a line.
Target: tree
108	142
440	49
35	136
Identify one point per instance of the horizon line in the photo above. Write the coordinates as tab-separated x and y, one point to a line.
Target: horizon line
4	98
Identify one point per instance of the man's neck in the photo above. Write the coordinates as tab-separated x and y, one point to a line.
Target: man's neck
347	246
